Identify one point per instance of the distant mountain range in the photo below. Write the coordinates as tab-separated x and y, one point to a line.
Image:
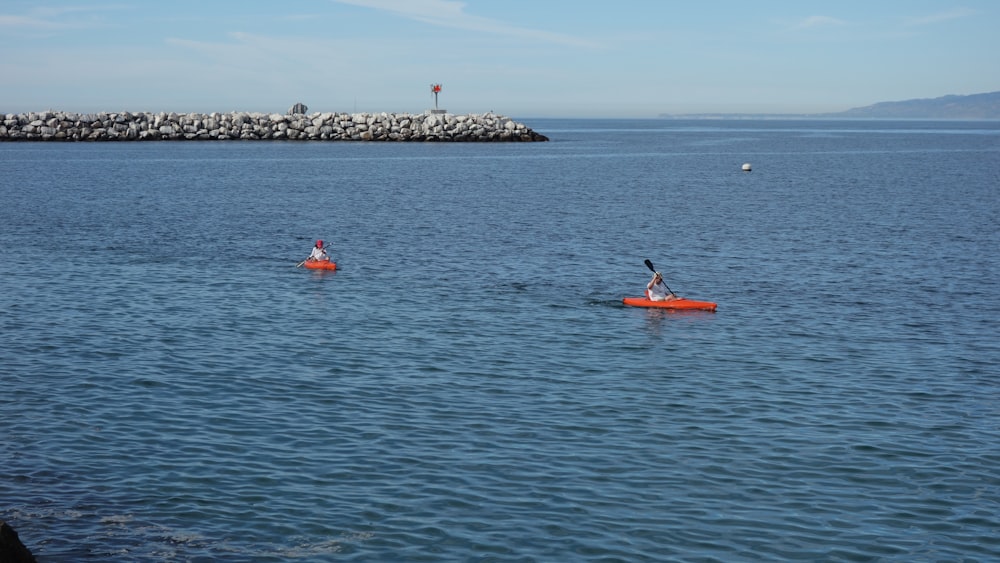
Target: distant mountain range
974	106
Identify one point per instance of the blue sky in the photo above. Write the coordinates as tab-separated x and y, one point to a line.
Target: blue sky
538	58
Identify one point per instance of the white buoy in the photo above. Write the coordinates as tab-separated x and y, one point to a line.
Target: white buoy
746	166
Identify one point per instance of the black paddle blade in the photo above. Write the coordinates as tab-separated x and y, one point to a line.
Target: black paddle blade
649	265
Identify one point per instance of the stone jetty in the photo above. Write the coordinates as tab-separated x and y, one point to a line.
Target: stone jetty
131	126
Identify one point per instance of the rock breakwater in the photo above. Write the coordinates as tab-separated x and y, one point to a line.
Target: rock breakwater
131	126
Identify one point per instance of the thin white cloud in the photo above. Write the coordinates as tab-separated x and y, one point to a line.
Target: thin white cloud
452	14
240	51
28	22
818	21
940	17
48	18
248	50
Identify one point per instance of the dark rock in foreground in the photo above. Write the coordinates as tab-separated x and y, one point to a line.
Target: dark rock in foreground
11	548
128	126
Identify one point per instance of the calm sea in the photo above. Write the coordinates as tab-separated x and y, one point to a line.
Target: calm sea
468	386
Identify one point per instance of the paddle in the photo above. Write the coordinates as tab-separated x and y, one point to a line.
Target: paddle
652	269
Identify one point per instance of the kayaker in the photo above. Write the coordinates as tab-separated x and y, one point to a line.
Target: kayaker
657	290
318	252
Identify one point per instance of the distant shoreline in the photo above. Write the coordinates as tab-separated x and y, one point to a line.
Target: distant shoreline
974	107
431	126
812	117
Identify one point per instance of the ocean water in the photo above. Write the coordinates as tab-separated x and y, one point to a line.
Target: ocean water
468	386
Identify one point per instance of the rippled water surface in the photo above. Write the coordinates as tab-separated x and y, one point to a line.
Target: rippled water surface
468	386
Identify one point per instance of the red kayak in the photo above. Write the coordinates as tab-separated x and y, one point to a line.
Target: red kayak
320	265
681	304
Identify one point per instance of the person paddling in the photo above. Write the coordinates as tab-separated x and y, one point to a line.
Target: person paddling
656	290
318	253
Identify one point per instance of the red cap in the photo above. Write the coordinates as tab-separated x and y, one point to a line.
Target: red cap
319	244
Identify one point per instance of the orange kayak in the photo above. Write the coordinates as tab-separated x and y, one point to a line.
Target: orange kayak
320	265
682	303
